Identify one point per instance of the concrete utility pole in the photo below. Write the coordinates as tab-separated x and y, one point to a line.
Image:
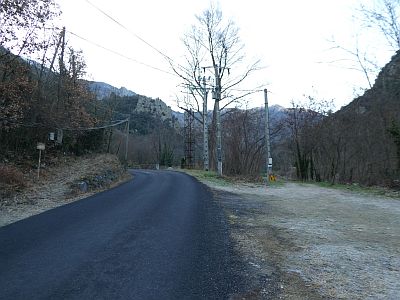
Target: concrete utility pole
216	95
205	127
268	160
218	121
127	140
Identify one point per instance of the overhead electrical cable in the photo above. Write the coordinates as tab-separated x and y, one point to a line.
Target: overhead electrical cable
120	54
117	122
130	31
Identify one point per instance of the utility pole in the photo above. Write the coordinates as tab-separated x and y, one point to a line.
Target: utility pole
268	159
205	127
218	120
61	65
218	71
127	140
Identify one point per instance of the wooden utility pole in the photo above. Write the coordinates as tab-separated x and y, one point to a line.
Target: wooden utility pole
56	51
61	65
205	127
268	159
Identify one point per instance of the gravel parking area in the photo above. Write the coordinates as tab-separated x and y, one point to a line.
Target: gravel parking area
303	241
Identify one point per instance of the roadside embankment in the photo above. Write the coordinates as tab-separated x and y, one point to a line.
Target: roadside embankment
62	180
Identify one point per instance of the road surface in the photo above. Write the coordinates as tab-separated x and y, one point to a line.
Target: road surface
158	236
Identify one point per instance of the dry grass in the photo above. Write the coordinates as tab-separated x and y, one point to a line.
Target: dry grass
10	175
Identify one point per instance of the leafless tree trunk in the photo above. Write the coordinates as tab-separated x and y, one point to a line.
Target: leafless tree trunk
213	46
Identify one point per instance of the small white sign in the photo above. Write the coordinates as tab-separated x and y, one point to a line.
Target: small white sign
40	146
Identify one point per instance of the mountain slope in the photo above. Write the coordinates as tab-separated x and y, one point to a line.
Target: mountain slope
357	143
134	103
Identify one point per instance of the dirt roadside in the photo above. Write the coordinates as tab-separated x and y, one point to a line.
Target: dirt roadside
303	241
62	180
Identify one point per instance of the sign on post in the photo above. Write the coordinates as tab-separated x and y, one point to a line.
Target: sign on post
40	147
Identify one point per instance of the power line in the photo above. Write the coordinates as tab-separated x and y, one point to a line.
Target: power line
99	127
130	31
109	50
119	54
249	90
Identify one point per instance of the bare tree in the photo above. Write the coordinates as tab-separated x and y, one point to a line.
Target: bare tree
23	31
303	122
214	46
244	142
360	60
384	15
23	22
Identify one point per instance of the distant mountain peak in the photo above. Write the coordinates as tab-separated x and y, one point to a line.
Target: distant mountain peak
103	90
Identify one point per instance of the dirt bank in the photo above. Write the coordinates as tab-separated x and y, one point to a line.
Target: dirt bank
309	242
62	180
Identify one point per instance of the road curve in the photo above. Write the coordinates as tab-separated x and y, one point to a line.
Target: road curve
158	236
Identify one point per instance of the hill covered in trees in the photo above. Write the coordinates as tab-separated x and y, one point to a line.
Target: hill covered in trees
129	101
365	135
359	143
154	131
36	102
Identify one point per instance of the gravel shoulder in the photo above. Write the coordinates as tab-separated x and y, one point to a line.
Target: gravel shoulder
302	241
62	180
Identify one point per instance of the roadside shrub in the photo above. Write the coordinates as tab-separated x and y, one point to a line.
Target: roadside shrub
10	175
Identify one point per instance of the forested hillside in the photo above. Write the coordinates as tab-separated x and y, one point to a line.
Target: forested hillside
36	101
44	99
359	143
155	135
363	138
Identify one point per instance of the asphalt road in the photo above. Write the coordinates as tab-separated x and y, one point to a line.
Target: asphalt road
158	236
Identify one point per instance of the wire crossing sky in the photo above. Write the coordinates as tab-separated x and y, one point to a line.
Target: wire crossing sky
119	54
130	44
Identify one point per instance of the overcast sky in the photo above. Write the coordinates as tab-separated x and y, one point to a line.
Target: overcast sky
290	37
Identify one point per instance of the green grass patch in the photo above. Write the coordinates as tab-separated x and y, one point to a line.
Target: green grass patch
212	177
208	176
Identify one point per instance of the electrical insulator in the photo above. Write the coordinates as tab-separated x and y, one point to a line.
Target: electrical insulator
214	94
